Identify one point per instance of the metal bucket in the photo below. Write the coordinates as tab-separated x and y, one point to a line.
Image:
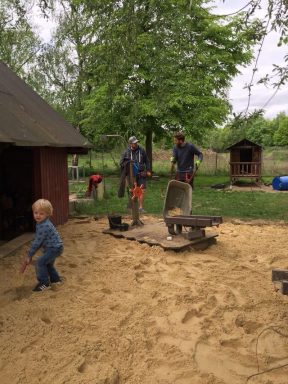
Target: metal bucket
114	221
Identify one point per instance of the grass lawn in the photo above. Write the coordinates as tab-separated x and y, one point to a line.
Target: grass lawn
250	204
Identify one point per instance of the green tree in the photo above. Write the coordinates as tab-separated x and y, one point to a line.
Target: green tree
163	66
238	128
18	43
259	131
265	132
281	133
126	95
218	139
62	64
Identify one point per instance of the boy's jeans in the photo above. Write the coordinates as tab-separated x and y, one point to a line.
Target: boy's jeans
45	270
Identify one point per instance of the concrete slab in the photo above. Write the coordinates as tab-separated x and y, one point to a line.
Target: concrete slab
12	246
157	233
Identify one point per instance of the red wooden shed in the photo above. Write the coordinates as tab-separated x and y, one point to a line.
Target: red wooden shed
34	143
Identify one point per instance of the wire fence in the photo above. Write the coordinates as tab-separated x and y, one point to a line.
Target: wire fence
274	163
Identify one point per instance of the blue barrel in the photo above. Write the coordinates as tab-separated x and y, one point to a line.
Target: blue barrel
280	183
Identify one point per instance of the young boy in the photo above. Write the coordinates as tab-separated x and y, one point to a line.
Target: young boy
49	239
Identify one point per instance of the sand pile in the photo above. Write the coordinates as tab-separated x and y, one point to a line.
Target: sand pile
134	314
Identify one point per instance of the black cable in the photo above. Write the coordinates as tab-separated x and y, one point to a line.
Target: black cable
250	85
272	97
254	70
271	327
233	13
266	371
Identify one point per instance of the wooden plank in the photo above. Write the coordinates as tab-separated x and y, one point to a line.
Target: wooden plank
13	245
188	221
215	219
191	235
194	220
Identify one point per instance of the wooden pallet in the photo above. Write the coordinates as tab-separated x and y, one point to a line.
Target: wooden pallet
156	234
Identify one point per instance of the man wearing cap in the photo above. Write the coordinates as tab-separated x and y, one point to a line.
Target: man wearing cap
141	165
183	156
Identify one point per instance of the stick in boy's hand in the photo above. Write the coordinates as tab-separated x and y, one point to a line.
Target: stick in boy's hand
24	265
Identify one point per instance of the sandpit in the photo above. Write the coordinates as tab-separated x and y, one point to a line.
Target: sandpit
137	314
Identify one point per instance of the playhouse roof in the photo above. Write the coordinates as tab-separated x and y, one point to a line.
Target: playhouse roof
245	143
27	120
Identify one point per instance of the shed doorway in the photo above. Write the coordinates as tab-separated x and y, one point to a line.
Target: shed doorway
16	191
246	155
245	159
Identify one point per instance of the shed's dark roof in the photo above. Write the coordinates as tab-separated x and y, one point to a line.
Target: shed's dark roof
27	120
244	143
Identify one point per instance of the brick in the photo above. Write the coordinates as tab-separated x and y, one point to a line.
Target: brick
284	287
279	274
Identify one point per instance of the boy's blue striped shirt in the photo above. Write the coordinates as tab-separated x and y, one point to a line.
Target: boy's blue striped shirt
46	236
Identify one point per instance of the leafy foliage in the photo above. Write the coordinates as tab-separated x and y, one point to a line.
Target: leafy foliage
18	42
265	132
144	67
161	66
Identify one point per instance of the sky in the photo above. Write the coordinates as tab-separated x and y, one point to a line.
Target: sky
271	54
238	95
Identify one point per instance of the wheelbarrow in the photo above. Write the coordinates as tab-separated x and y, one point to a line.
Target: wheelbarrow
177	212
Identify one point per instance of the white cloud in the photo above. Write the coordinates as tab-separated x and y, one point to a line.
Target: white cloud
43	25
270	54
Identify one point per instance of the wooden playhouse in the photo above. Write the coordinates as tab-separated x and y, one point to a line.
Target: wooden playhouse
245	160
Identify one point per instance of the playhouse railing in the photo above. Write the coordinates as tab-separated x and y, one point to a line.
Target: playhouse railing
245	169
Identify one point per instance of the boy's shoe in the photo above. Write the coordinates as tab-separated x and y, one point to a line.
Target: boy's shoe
141	210
58	281
41	287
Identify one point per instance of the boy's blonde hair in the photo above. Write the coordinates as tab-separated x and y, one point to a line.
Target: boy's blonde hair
43	205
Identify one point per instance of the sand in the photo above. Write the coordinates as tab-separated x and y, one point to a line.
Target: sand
134	314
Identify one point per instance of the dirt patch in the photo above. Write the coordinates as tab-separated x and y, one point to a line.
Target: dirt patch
254	187
247	187
135	314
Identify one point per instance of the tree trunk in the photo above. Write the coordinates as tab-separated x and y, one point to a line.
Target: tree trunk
149	145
